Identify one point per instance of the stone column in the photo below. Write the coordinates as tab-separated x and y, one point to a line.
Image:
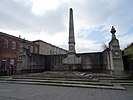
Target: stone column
71	33
71	60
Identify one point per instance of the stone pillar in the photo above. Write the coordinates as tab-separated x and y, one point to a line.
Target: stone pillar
71	33
71	60
116	61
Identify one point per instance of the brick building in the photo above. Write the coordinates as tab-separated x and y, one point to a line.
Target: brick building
49	49
10	51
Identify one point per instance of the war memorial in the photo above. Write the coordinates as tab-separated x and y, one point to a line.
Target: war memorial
110	60
70	76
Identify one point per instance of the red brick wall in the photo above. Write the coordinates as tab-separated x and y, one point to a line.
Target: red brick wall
9	53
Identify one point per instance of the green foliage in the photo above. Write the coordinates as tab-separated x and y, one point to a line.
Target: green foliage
128	52
3	72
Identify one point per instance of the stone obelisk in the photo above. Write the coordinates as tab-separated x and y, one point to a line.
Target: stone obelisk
71	33
71	60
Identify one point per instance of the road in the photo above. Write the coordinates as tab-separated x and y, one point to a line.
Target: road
10	91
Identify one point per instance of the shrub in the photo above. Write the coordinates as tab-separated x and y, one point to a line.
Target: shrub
3	72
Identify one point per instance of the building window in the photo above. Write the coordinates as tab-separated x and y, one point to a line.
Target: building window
35	50
11	66
13	45
26	46
20	45
11	62
6	44
31	49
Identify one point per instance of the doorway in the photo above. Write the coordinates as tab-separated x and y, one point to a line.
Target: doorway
11	66
3	64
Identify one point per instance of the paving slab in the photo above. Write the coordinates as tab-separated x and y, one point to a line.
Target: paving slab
118	87
10	91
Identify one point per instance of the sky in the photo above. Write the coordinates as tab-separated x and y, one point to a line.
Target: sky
48	20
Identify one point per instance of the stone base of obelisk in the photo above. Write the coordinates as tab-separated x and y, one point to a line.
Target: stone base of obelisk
71	61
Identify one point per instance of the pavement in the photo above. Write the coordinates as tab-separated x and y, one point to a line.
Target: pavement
9	91
65	86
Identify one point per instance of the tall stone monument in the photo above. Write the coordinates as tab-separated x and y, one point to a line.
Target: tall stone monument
71	42
116	61
71	60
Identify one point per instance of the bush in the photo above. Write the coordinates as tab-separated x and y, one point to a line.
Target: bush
3	72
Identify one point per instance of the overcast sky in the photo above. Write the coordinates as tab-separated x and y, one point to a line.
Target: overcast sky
48	20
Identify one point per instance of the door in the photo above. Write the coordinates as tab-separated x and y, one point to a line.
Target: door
11	66
3	64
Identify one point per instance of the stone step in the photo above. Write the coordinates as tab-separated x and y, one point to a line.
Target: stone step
122	81
117	87
62	81
104	78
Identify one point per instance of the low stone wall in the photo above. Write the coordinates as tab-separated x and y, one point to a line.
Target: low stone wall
89	62
31	63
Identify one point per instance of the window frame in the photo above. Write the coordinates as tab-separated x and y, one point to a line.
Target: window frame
13	45
5	43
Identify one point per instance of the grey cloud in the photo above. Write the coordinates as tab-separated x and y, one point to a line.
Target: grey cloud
106	13
52	21
93	12
15	15
122	16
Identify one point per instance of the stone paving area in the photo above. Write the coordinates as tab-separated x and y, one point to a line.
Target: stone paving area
39	92
70	79
81	76
73	74
67	74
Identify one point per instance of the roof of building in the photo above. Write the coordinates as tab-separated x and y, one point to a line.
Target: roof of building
48	44
16	38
